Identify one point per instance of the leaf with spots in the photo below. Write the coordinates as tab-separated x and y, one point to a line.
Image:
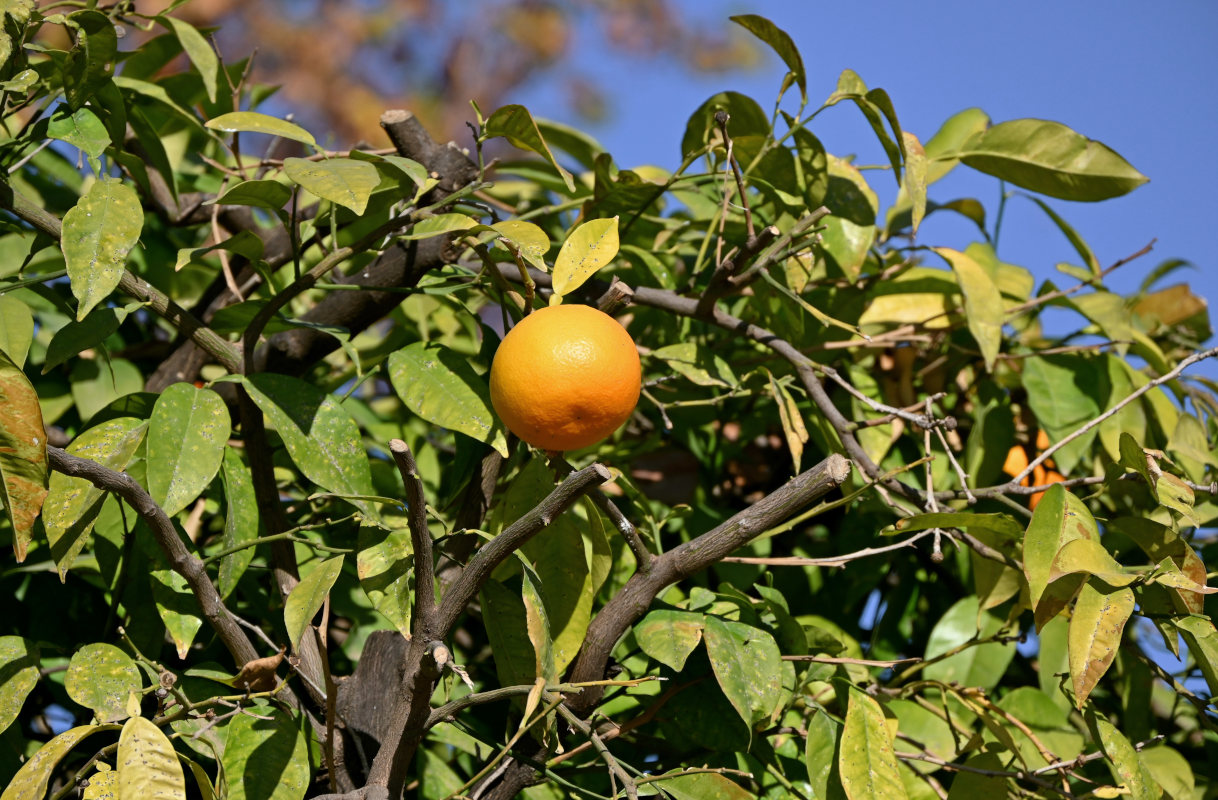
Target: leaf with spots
342	181
148	767
1123	761
867	762
240	520
186	444
98	233
265	759
1059	518
385	566
439	385
178	607
23	453
32	779
669	636
72	504
18	676
255	122
747	665
103	784
319	434
1095	634
100	677
307	597
589	247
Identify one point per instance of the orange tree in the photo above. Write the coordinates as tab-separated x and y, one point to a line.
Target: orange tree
269	539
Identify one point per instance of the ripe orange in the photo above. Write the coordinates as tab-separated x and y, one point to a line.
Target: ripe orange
565	377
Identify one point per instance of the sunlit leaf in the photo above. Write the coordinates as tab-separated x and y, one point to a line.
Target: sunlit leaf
98	233
307	597
747	665
669	636
32	779
271	759
1049	158
589	247
23	454
18	676
254	122
200	53
867	762
514	123
186	442
780	41
100	677
983	307
1060	518
343	181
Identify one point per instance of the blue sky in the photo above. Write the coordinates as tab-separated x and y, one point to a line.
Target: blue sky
1142	79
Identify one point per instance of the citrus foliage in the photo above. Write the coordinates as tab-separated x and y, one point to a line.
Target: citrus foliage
269	539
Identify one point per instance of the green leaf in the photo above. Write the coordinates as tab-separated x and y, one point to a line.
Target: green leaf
913	185
32	779
1060	518
103	784
18	676
589	247
980	665
781	42
1159	542
439	225
72	504
260	193
697	364
1176	495
147	764
187	436
1123	761
91	61
958	129
517	661
1054	660
1089	557
98	233
1170	770
23	454
983	306
703	786
1080	245
514	123
88	333
100	677
439	385
745	118
1049	158
306	599
240	520
1064	392
97	384
876	107
867	763
1002	524
254	122
200	53
343	181
16	329
265	760
245	243
319	434
820	751
1095	634
529	239
80	128
178	608
1202	640
669	636
747	665
385	566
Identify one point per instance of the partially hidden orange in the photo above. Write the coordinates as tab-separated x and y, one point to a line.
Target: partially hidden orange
565	377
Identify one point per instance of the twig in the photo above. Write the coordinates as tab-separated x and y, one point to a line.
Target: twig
862	662
448	710
642	556
828	561
1050	296
420	536
1134	395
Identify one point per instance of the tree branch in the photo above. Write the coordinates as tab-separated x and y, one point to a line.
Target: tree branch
420	536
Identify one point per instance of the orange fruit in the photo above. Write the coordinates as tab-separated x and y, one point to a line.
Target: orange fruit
565	377
1016	461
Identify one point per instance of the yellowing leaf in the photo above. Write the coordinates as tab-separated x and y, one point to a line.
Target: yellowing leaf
982	303
1095	634
98	233
589	247
23	453
867	763
147	765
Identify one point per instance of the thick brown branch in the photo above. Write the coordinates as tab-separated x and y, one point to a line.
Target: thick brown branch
420	537
512	538
689	558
